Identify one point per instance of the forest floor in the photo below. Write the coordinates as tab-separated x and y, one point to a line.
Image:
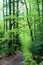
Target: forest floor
13	59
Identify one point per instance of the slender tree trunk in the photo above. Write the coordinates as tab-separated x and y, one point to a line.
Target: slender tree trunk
35	20
3	16
38	8
17	24
14	23
38	27
42	14
28	21
34	29
6	15
10	27
42	24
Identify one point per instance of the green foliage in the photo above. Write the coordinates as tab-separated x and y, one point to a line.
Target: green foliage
19	37
41	63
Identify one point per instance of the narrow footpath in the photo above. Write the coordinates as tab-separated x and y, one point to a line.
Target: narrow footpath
18	60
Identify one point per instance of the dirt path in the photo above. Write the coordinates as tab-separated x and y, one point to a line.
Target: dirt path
18	60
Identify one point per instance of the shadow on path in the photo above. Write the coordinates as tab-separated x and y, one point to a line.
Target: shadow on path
18	60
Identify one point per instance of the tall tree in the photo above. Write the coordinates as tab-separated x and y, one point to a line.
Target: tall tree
42	16
17	25
31	34
10	27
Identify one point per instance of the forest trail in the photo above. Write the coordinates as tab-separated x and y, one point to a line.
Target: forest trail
18	60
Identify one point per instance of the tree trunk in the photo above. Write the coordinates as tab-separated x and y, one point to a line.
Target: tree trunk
31	34
42	14
10	27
